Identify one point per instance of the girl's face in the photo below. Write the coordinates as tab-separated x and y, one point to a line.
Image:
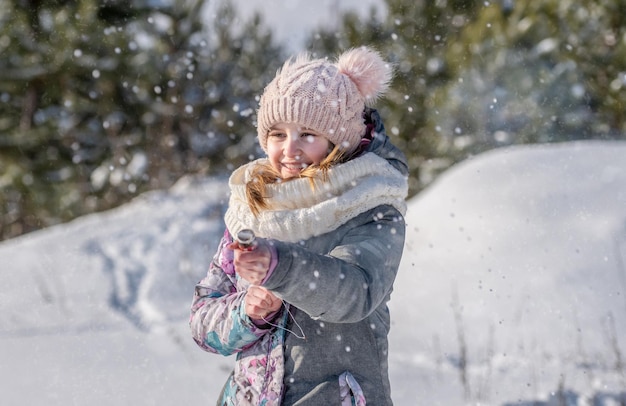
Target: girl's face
291	148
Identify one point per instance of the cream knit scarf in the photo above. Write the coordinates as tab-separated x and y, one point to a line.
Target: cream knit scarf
297	211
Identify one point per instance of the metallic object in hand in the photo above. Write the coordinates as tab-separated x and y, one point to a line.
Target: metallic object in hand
245	238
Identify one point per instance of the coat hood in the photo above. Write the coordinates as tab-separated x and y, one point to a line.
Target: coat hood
381	145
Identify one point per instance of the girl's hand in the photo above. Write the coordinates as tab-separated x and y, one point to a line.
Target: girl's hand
252	263
260	302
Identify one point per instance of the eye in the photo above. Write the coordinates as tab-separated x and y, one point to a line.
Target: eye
308	137
277	134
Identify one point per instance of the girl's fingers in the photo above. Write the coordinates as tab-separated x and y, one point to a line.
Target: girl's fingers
257	297
252	265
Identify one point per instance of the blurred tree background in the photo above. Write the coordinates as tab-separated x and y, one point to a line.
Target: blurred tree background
472	76
101	100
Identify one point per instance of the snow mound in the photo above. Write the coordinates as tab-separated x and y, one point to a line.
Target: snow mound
513	279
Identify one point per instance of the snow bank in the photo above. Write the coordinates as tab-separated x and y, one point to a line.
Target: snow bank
512	284
514	266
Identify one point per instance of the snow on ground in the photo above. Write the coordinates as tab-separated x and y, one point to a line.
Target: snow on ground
521	252
512	286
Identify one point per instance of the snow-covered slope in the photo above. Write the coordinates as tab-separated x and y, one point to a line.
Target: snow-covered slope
517	259
513	284
94	311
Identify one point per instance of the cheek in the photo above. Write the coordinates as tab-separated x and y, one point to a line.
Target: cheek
273	156
320	151
272	151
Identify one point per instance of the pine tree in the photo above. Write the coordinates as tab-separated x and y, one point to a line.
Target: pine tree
478	75
414	37
102	100
535	72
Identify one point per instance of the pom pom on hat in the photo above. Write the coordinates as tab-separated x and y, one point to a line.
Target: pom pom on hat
367	70
324	96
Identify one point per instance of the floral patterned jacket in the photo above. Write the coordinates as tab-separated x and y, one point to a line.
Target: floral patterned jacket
218	312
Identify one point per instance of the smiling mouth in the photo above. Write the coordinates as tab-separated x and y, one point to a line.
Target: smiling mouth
294	166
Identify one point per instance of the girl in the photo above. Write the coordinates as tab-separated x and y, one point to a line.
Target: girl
305	308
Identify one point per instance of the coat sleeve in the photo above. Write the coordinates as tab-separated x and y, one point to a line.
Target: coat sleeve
355	277
218	320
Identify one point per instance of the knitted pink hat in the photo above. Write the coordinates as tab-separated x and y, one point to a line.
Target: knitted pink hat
323	96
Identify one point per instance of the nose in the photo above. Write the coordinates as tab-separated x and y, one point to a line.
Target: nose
292	147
